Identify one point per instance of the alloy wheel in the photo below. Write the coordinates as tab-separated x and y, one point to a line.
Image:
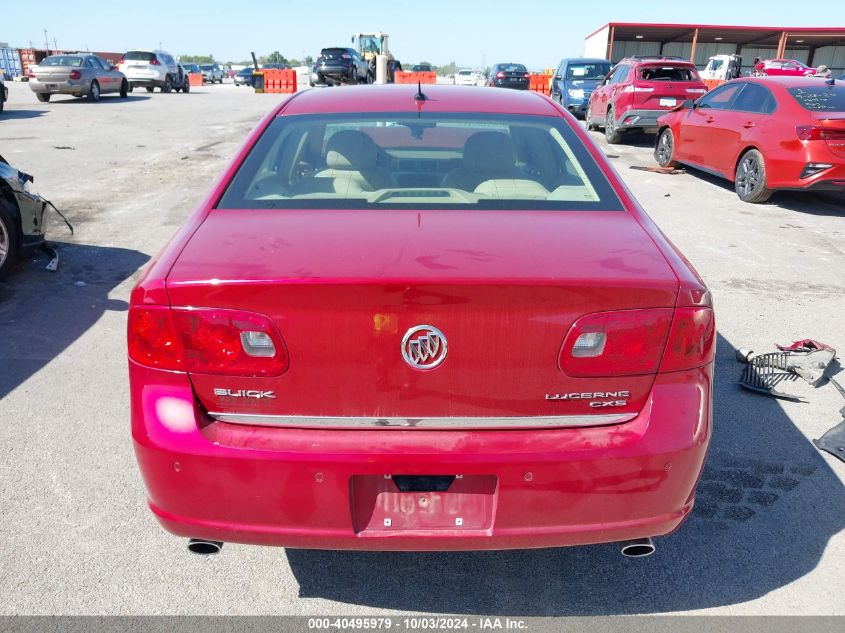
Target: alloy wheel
748	176
4	243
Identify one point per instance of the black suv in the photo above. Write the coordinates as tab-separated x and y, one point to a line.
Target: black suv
342	65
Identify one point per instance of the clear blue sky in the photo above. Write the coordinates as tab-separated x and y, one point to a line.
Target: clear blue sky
537	33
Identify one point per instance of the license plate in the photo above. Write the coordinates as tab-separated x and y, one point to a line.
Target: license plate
52	86
666	103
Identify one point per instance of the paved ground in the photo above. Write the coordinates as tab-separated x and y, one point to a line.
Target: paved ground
76	537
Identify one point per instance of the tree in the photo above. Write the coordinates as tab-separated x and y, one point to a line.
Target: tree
276	58
308	61
197	59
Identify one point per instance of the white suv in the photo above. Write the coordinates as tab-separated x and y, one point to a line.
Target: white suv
467	77
153	69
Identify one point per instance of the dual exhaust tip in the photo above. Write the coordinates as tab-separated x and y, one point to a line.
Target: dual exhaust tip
203	547
635	548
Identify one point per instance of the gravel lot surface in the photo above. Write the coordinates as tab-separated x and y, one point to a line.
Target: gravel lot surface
76	537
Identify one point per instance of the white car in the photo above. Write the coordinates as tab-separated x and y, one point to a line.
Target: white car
467	77
153	69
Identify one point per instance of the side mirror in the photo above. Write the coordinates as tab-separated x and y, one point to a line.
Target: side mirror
112	67
688	104
558	77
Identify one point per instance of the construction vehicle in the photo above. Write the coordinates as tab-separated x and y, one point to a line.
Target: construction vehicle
721	68
374	48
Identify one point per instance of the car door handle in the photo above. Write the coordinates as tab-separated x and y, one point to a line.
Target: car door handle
710	119
748	124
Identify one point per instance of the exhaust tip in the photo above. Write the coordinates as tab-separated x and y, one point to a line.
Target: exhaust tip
637	548
203	547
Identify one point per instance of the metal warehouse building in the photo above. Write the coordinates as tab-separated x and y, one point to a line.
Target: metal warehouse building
698	42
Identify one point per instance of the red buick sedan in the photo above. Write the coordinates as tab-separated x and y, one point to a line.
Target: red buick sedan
406	321
764	134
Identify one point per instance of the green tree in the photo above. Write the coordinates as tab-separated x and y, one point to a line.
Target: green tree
197	59
308	61
276	58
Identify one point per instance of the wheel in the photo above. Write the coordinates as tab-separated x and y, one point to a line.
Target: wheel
664	149
131	88
124	89
588	118
611	133
8	239
150	88
370	79
168	84
93	92
43	97
186	87
750	182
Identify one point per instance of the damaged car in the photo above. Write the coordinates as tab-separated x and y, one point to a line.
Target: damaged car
21	218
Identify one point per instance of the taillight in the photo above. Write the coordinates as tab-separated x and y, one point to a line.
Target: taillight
526	76
622	343
206	340
154	62
817	133
633	88
346	56
75	74
500	75
692	340
31	74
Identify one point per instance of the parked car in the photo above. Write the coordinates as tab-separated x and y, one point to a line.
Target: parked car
638	91
211	73
336	65
574	82
467	77
509	75
421	68
764	134
80	75
192	68
152	69
21	216
244	77
4	94
523	351
783	67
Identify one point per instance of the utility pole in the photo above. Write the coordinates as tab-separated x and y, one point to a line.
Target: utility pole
46	42
55	45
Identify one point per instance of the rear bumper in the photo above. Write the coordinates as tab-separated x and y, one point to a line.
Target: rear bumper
69	87
335	71
511	84
145	83
640	118
300	487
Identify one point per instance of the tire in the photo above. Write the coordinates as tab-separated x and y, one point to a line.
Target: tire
93	92
664	149
43	97
9	239
186	87
750	180
370	79
588	118
611	133
124	89
150	88
168	84
131	88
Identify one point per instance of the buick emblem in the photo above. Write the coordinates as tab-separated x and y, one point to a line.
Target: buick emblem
424	347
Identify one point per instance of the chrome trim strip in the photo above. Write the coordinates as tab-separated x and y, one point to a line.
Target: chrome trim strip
309	422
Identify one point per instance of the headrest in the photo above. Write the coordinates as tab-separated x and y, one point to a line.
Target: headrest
352	150
489	151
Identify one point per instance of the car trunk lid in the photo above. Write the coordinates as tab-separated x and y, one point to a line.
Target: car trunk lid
344	288
833	124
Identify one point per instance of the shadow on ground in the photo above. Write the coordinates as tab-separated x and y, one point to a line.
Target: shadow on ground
42	313
767	505
104	99
11	113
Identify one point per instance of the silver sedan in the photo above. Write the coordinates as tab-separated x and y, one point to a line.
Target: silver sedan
81	75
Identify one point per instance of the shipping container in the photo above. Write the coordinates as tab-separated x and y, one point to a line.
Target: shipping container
10	63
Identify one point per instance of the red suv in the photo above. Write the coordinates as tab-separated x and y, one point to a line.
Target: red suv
639	90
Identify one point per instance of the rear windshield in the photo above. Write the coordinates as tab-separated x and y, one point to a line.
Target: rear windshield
587	71
668	73
62	60
464	72
207	66
511	68
820	98
140	56
333	51
425	161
